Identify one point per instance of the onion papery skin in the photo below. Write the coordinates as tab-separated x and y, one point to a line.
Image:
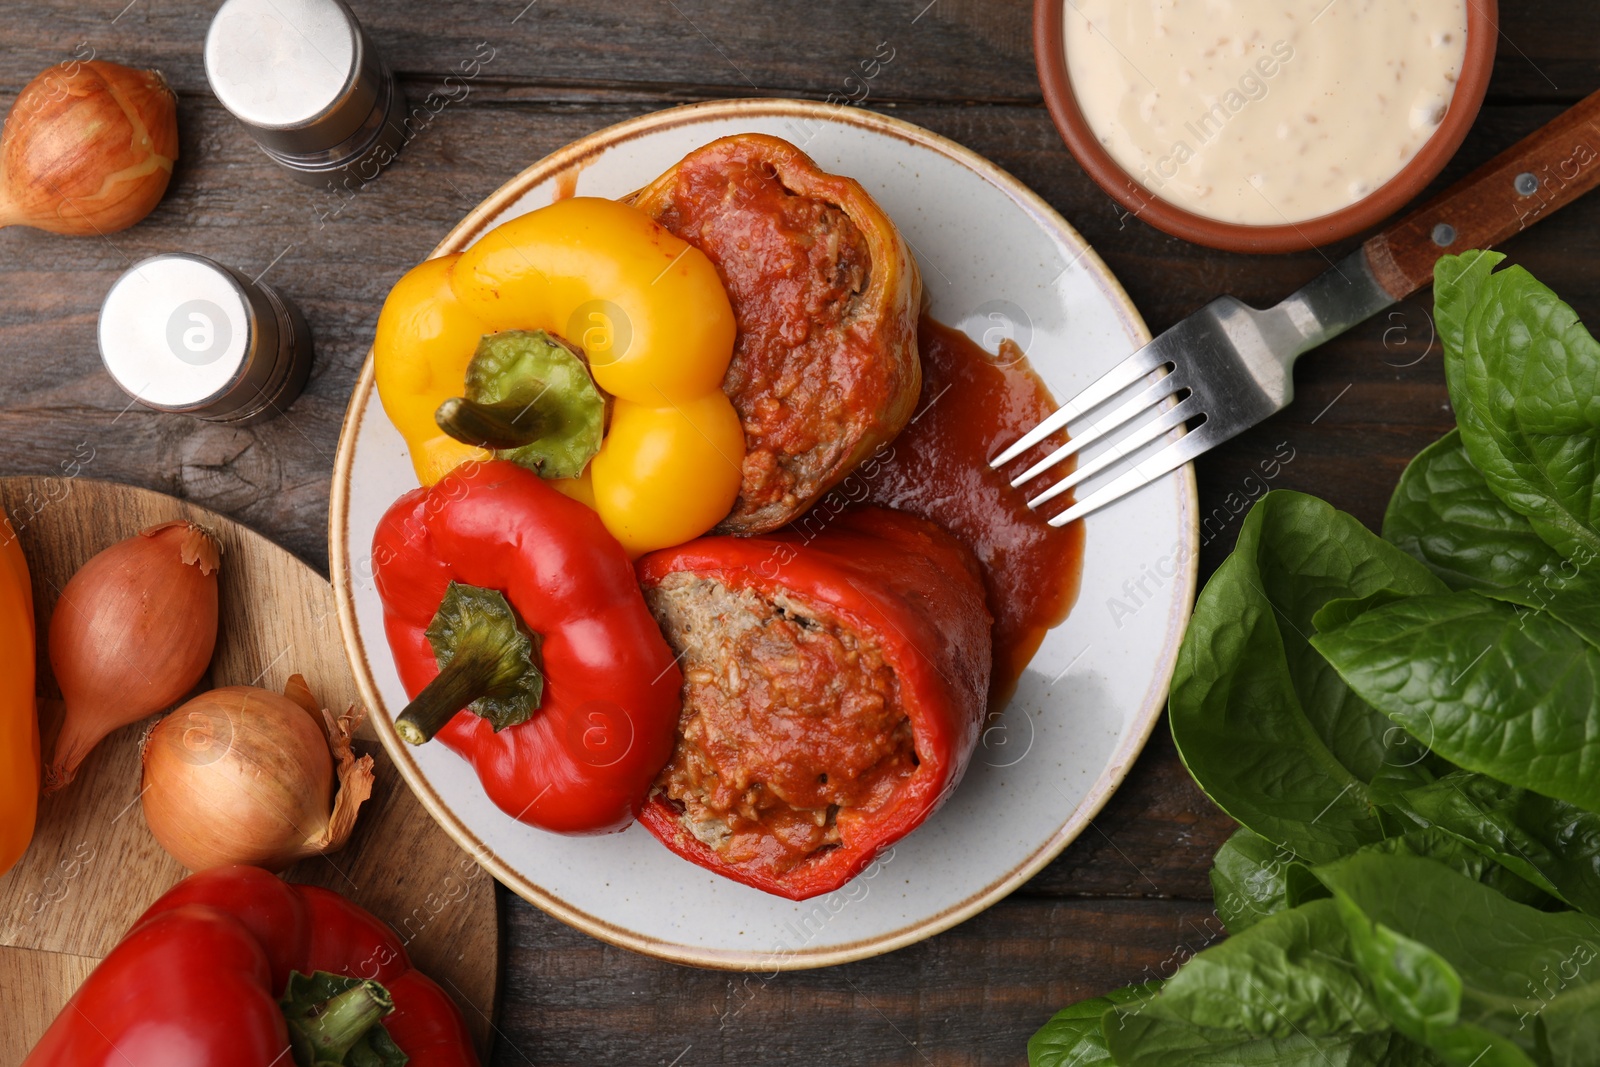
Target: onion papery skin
238	775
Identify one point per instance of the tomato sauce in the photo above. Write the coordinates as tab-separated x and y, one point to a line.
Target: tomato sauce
825	294
794	267
974	404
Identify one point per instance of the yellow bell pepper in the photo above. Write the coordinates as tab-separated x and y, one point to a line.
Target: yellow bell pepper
651	320
19	717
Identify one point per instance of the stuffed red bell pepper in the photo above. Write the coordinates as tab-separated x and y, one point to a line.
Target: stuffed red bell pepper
520	633
835	687
235	967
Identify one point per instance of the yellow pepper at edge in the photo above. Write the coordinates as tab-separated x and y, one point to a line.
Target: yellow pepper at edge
653	322
19	718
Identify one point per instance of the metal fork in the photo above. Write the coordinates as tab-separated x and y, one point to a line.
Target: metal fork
1228	366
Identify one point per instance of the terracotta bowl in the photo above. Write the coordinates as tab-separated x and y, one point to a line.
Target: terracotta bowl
1049	55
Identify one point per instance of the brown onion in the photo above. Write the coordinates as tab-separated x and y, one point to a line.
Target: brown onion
243	775
87	149
132	632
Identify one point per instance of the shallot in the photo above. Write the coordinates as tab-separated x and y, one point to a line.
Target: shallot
132	632
87	149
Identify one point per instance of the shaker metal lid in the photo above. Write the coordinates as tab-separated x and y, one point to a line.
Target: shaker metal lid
181	333
299	73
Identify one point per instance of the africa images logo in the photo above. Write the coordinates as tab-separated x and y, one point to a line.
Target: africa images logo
198	332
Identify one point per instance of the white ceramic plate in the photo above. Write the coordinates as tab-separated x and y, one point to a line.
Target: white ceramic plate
993	256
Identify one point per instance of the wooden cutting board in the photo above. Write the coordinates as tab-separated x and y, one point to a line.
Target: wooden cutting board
93	866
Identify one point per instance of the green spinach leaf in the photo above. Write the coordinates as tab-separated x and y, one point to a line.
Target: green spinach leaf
1286	975
1302	883
1569	1022
1458	283
1524	377
1453	962
1511	694
1444	514
1426	998
1248	879
1074	1036
1549	843
1338	612
1265	725
1283	992
1566	593
1145	1041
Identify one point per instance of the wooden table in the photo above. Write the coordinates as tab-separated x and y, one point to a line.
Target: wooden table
1130	899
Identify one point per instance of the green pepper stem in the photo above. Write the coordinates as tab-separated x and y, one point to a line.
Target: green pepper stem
506	424
470	675
487	659
341	1021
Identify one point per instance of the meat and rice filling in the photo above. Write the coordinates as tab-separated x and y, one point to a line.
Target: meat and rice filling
788	717
825	294
794	267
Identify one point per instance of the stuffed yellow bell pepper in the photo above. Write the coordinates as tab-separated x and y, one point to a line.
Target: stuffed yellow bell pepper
19	718
579	330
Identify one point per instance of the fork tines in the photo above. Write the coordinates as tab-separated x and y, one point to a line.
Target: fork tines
1125	374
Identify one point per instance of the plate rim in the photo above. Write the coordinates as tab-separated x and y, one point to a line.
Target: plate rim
1122	757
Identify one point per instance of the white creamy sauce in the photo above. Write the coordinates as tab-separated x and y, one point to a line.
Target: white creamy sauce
1264	111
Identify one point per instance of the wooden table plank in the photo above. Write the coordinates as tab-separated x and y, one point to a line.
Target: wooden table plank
971	996
942	50
945	50
1132	891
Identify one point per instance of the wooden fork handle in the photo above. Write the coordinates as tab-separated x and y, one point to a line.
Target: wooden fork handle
1532	179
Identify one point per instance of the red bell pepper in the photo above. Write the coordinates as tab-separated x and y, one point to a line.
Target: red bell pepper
569	691
197	982
898	584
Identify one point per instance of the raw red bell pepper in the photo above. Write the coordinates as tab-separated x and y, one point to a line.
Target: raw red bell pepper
892	583
197	981
556	683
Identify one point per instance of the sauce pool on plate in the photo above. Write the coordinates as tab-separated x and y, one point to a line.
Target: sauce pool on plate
973	404
1264	112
